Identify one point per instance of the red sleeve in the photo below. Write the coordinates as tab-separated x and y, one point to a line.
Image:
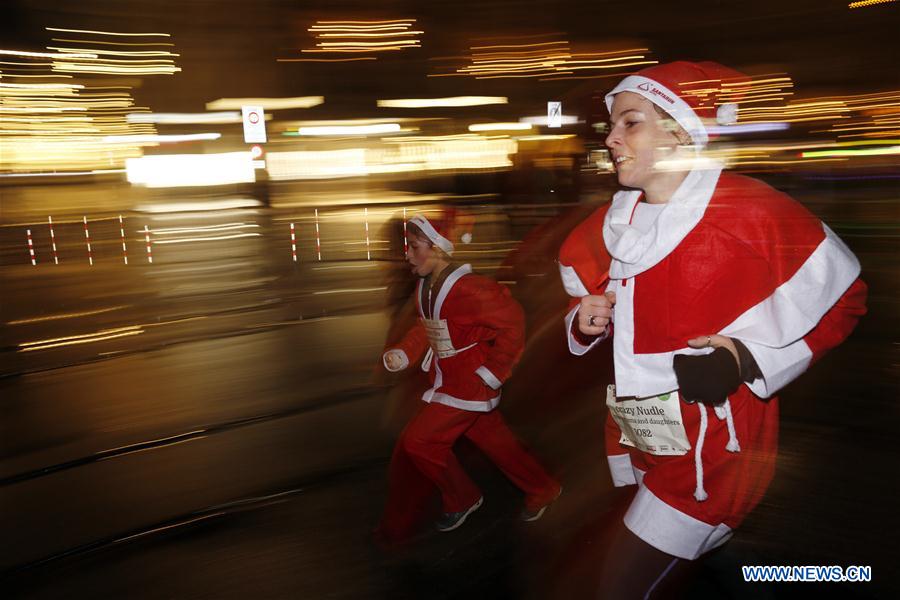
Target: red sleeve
495	309
413	343
839	321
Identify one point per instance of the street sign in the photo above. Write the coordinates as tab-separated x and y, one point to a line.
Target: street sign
554	114
254	124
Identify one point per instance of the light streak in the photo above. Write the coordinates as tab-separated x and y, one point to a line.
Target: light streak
350	129
266	103
500	127
81	339
108	32
453	101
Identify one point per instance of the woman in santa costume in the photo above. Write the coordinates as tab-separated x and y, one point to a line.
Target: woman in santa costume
717	291
469	336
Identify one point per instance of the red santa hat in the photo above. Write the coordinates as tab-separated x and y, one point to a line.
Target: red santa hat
443	226
689	92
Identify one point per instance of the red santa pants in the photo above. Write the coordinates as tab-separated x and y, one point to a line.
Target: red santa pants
427	444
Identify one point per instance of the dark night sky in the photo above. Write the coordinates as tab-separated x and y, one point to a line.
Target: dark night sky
228	47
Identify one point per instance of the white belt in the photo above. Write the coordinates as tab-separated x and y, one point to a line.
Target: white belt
429	355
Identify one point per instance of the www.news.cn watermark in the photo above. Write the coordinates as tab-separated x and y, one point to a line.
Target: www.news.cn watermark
818	573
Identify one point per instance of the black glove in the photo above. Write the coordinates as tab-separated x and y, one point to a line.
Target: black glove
710	378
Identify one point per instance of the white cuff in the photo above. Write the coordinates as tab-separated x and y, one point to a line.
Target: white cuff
779	366
576	347
404	360
488	377
621	470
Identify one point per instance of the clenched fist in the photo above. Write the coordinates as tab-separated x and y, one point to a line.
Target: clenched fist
595	313
394	360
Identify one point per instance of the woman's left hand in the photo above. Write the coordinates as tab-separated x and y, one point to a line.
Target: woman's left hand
708	378
716	341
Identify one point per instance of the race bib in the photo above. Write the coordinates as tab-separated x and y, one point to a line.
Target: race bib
652	425
439	337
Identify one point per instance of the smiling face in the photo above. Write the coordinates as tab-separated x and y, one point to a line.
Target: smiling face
637	140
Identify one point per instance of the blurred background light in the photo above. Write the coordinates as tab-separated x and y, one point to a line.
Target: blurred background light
179	170
453	101
266	103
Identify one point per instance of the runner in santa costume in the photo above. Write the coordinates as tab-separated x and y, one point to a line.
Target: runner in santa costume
717	291
469	336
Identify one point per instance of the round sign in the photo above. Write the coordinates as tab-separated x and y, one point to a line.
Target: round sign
253	117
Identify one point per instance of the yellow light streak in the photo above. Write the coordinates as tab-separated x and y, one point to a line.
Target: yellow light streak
266	103
520	76
207	239
110	69
369	23
386	34
357	50
350	291
452	101
536	45
41	76
215	118
325	59
545	138
30	65
350	129
45	54
114	52
79	337
65	315
108	32
85	341
500	127
850	153
865	3
200	229
366	44
112	43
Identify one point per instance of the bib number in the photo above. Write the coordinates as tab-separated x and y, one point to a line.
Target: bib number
439	337
651	425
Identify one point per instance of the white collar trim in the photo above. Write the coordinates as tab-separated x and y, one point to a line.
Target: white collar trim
443	292
634	251
451	280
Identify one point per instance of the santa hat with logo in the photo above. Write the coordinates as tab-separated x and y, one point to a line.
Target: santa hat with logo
444	226
689	92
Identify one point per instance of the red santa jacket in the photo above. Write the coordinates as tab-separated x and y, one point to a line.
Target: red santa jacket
728	255
487	330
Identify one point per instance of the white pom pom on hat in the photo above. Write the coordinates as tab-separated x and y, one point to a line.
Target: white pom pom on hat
727	114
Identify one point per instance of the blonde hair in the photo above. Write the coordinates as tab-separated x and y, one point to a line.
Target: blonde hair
670	124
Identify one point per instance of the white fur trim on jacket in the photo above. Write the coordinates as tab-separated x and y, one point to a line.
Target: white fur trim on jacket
572	282
773	330
667	100
432	395
488	377
634	251
670	530
448	284
621	470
